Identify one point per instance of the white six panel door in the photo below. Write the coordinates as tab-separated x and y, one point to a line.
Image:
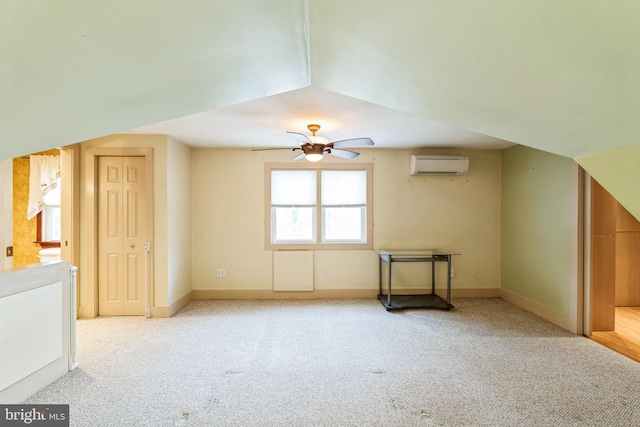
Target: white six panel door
121	275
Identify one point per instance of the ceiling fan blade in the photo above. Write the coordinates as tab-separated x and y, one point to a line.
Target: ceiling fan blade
345	154
302	139
351	143
299	156
278	148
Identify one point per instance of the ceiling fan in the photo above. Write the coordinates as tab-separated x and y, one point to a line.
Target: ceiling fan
315	147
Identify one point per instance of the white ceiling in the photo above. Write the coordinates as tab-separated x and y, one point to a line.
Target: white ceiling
263	122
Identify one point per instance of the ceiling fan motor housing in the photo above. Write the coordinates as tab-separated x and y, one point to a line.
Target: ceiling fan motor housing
313	148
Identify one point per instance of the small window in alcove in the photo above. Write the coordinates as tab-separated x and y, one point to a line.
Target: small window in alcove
49	220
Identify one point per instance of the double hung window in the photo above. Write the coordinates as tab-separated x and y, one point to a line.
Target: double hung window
319	207
49	219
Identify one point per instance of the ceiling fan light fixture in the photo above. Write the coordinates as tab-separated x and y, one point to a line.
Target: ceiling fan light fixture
313	157
314	152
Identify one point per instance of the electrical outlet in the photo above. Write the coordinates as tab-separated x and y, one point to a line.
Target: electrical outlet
221	272
474	272
9	251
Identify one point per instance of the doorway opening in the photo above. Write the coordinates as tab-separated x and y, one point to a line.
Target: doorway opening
615	274
36	207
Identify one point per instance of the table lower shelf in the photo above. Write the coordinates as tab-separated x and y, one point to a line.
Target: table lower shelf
401	302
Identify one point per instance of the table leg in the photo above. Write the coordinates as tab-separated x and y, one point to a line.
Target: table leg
448	279
380	276
433	276
389	284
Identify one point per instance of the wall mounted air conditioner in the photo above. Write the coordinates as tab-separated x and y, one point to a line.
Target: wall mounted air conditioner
439	165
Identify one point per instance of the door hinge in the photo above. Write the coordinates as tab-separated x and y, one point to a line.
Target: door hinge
147	246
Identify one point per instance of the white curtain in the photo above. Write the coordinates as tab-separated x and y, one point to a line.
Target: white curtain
45	170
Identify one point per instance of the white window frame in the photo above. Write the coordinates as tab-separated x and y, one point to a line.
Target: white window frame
318	213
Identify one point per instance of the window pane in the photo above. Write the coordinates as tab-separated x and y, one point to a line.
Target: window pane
51	215
293	188
344	224
292	224
344	187
51	223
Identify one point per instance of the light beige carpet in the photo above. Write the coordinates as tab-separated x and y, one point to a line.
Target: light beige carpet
344	363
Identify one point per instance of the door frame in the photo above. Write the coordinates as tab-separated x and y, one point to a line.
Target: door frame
88	300
70	206
580	311
585	301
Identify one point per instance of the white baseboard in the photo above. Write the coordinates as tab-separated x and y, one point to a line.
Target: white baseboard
537	309
175	306
200	294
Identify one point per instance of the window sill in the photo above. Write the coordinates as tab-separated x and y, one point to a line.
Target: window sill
318	246
45	245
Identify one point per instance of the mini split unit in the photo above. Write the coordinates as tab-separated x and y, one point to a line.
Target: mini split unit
439	165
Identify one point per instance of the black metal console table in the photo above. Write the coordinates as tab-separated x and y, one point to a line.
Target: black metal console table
399	302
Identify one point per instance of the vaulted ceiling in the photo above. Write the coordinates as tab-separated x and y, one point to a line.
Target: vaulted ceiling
562	77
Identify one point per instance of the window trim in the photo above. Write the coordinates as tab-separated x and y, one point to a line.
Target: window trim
40	226
368	167
39	234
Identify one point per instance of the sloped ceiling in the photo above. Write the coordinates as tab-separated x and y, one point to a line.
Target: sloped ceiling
563	77
558	76
74	70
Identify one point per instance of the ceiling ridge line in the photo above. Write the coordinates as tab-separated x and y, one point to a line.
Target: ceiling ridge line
307	39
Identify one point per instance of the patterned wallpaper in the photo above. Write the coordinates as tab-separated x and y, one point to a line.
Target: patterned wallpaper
25	251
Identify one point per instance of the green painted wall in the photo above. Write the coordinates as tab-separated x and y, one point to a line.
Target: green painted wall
618	172
537	226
